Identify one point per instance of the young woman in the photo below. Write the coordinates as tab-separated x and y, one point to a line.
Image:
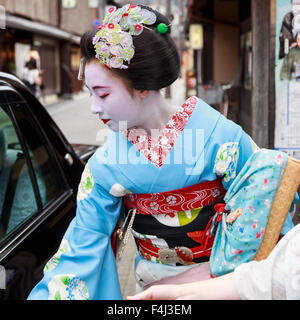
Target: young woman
168	164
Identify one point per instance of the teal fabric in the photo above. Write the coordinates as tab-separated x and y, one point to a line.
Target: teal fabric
252	192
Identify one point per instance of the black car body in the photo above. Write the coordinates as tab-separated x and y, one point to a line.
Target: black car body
39	174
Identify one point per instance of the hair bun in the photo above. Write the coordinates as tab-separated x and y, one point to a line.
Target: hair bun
156	61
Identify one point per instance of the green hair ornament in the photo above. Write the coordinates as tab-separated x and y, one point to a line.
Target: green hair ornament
162	28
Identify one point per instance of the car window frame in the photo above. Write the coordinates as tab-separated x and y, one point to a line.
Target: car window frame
49	147
43	211
47	144
27	157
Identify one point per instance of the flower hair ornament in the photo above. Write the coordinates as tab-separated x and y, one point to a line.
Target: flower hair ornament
113	42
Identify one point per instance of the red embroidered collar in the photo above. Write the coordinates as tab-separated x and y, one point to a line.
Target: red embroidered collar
157	149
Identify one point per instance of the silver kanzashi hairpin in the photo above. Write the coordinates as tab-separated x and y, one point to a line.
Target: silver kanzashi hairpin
113	42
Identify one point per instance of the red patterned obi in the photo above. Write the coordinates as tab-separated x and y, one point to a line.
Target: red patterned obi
186	242
170	202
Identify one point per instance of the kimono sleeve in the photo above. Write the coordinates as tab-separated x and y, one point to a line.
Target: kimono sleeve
231	158
84	266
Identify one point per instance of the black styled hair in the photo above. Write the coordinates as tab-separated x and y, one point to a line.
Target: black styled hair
156	62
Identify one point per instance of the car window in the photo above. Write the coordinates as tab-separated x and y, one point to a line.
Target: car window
17	199
28	179
49	179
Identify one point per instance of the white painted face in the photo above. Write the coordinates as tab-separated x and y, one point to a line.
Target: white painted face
296	7
112	100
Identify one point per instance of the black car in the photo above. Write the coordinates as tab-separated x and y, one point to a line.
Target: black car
39	174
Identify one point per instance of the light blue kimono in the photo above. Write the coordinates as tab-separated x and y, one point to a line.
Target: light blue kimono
84	267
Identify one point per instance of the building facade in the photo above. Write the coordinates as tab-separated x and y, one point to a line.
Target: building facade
52	29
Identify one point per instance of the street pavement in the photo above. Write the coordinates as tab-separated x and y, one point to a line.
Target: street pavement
76	121
79	125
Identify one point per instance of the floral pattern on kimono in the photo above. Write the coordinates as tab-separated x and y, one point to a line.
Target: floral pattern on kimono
67	287
86	184
63	248
226	161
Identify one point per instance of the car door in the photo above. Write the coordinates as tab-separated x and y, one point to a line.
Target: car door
36	201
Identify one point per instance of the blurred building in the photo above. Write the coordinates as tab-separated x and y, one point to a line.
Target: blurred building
238	50
240	42
50	30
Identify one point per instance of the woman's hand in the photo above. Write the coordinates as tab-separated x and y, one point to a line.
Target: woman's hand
163	292
218	288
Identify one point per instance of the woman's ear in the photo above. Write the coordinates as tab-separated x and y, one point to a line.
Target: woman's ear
144	94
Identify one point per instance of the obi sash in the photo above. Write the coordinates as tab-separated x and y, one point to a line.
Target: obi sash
169	202
182	244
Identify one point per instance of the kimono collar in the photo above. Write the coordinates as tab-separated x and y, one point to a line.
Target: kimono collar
157	149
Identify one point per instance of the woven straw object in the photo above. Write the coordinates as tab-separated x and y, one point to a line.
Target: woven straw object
284	197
